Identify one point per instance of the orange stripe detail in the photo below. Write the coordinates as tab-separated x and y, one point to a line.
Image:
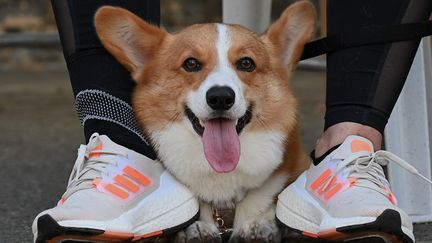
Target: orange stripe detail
117	191
117	235
391	198
331	189
152	234
96	181
322	178
137	176
331	234
309	234
61	201
358	146
98	147
321	190
352	181
108	236
328	195
126	183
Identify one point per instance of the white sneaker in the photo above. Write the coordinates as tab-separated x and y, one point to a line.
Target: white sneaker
115	194
346	197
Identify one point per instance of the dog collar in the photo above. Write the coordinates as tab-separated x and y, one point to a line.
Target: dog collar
224	219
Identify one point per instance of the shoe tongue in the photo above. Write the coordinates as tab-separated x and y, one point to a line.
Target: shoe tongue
221	144
353	144
99	142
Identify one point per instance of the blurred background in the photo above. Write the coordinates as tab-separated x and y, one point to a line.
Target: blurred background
29	40
39	129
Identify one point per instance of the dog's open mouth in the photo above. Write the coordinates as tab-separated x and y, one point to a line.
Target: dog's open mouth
198	125
220	138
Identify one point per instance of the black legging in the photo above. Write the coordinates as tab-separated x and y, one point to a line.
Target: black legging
102	87
363	83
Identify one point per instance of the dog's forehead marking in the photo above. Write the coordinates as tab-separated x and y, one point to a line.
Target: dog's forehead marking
222	45
223	74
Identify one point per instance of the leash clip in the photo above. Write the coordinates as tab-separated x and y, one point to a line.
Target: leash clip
224	231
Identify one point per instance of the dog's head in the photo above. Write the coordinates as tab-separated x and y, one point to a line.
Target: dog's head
212	81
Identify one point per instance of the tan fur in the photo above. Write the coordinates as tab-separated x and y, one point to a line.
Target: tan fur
159	97
155	58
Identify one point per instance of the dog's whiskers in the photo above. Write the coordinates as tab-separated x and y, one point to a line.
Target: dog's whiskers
173	119
263	123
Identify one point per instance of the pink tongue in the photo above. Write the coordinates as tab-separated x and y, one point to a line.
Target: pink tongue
221	144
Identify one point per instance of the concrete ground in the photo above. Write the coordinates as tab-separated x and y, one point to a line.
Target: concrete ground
40	134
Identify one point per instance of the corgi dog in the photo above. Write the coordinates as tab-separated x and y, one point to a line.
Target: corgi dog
215	101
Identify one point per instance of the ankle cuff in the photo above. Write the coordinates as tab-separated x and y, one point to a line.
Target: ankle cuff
316	161
96	104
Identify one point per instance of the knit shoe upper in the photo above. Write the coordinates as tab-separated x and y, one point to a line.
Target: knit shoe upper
347	196
119	192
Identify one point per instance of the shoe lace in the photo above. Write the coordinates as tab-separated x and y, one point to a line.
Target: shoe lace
368	166
88	167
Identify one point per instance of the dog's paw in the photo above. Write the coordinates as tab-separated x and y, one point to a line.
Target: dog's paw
198	232
258	231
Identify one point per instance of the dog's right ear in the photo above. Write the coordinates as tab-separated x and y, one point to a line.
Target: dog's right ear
128	38
294	28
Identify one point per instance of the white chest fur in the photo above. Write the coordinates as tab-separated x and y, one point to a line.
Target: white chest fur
181	151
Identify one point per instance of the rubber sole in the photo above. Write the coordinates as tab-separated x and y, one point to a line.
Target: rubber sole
386	228
50	231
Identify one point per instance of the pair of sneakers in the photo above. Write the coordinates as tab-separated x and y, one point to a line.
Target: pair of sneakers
115	194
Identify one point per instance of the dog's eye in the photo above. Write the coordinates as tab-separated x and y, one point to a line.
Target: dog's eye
191	65
246	64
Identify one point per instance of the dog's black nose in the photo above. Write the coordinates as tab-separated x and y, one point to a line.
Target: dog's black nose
220	97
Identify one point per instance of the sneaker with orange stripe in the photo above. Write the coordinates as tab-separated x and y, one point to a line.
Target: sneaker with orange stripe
346	197
115	194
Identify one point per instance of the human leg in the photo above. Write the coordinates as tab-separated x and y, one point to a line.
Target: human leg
363	83
337	133
111	191
102	87
344	195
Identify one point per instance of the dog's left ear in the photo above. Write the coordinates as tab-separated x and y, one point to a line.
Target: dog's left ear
294	28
